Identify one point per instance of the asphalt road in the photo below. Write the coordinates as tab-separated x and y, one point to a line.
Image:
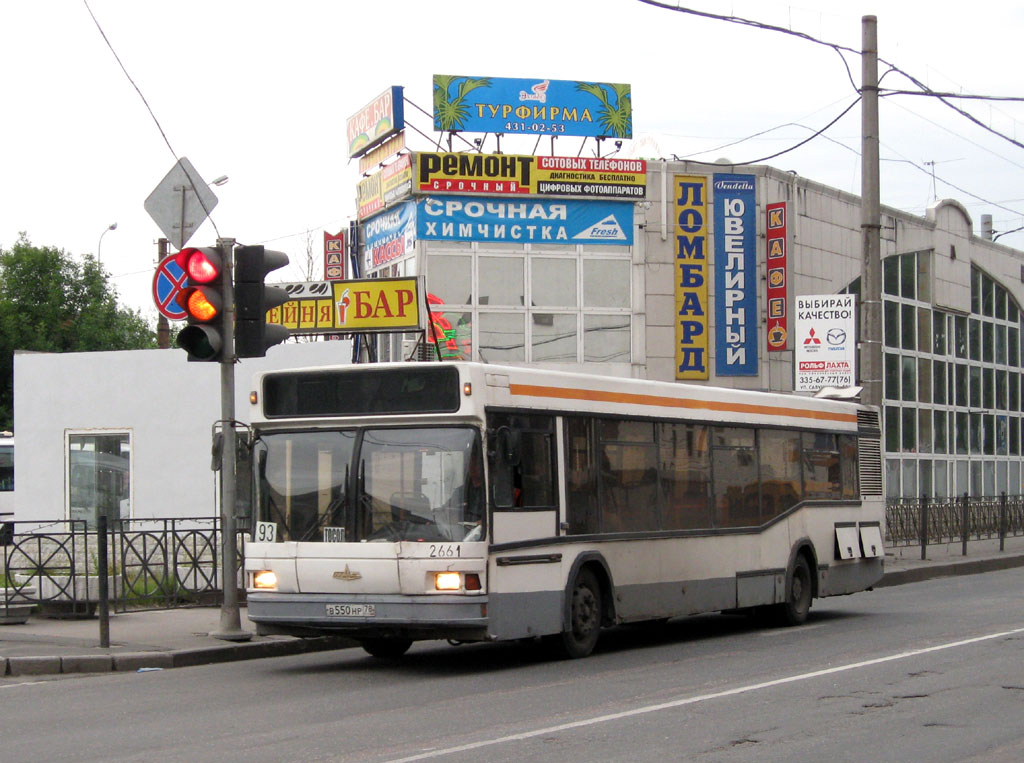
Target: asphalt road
931	670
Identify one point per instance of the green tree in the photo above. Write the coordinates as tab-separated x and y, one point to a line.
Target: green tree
50	302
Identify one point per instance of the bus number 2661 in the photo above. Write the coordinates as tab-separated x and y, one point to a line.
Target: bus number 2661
442	551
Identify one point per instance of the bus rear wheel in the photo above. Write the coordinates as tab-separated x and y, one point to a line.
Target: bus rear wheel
793	611
386	648
585	608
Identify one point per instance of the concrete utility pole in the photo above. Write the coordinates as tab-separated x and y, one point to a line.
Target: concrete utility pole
871	221
230	618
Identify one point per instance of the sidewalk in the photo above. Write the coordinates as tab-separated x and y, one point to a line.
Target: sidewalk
903	564
181	637
162	639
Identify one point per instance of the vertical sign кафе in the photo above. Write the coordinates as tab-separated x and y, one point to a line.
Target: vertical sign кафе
777	294
334	256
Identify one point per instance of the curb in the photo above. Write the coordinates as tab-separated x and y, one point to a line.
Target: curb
181	658
949	569
281	647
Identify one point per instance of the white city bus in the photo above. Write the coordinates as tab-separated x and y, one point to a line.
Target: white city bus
471	502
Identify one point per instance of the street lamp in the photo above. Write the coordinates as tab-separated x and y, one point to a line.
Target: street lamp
112	226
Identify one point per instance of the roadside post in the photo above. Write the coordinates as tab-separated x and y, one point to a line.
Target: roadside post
1002	521
965	521
179	204
924	525
230	618
104	569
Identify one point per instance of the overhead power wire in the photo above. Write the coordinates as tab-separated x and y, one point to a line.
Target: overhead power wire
840	49
944	99
811	137
765	132
149	109
967	96
957	135
1003	233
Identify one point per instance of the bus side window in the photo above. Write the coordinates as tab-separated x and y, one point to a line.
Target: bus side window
581	510
531	476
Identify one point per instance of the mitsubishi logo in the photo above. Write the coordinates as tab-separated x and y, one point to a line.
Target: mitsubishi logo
346	574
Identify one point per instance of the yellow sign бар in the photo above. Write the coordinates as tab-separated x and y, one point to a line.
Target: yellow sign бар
374	304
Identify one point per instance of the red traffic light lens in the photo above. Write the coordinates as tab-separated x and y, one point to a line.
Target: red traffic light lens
200	265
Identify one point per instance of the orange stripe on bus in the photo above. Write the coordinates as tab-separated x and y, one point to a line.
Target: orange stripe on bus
564	393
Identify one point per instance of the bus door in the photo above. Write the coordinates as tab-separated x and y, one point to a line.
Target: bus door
524	486
524	572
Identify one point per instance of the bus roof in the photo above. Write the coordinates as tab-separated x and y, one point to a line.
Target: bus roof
500	386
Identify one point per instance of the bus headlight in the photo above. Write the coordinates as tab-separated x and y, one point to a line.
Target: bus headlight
448	581
264	579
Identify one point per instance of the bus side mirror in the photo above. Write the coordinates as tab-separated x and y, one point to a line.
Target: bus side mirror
507	455
509	446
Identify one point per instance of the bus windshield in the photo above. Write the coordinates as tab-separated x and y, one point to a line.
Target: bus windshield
380	484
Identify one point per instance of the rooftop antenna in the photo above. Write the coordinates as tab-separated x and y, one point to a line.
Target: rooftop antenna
935	194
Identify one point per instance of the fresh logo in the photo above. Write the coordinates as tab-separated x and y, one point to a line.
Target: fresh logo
606	230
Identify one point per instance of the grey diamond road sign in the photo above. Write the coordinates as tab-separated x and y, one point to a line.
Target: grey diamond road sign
181	203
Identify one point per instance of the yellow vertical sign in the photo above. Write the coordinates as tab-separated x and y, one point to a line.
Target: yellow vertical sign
691	276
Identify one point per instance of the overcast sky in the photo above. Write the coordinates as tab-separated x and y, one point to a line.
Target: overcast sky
260	91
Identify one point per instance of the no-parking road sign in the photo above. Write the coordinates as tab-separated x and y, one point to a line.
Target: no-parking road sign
167	282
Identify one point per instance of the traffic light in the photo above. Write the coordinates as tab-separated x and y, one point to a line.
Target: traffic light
202	299
253	299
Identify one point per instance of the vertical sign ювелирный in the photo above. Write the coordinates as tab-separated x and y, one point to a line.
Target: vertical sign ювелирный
691	274
735	276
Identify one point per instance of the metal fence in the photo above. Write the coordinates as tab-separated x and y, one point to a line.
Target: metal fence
150	564
166	563
928	520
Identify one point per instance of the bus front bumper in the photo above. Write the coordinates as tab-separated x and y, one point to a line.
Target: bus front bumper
461	618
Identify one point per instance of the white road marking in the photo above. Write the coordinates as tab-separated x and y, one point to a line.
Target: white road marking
701	698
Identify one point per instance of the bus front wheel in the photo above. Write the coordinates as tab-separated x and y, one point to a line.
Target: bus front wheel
580	635
793	611
386	648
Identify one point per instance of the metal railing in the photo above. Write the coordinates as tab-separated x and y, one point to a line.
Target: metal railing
150	564
929	520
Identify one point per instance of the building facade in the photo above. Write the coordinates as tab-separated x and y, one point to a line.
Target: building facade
692	293
684	284
128	432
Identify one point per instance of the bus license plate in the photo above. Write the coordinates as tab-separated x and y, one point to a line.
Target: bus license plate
351	610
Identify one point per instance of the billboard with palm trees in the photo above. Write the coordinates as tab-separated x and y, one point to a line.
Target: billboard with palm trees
532	106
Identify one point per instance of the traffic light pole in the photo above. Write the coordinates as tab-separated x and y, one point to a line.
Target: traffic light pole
230	619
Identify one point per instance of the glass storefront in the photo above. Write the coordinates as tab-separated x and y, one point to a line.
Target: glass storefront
952	408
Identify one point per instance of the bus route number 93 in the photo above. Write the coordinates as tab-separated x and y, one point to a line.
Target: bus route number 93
443	551
265	532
